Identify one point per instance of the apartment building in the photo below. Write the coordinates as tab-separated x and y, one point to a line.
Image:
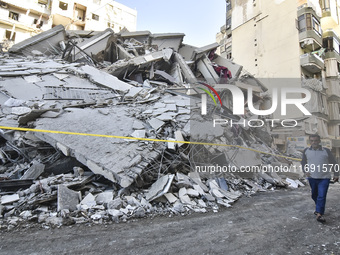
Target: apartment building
21	19
296	42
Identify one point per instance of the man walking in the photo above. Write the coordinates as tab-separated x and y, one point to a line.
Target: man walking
318	163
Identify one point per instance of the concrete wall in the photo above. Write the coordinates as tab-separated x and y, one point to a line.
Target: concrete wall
265	39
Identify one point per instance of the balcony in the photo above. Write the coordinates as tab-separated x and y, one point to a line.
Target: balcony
228	42
331	42
32	5
310	40
332	54
312	63
309	28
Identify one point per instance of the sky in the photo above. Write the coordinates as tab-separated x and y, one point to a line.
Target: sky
199	20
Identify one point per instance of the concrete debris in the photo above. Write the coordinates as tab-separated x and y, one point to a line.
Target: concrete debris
160	187
110	88
7	199
171	197
34	171
67	199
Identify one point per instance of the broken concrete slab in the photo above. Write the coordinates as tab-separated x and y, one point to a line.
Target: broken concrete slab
202	51
171	145
64	149
20	110
160	187
138	125
104	197
292	183
167	40
156	123
165	76
21	89
115	213
193	192
89	200
185	199
187	72
115	203
67	198
171	198
199	189
92	46
197	179
34	171
141	36
8	199
46	42
183	180
139	134
104	79
179	137
205	67
32	78
118	169
121	68
133	92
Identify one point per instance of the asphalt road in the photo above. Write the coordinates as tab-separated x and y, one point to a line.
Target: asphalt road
275	222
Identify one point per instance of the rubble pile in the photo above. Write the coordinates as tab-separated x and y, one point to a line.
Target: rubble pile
98	129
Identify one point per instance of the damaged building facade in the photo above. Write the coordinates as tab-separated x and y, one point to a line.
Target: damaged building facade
305	49
110	128
22	19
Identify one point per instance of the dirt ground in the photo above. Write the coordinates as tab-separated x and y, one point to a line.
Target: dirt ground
275	222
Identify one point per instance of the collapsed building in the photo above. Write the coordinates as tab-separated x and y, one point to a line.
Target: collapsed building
110	126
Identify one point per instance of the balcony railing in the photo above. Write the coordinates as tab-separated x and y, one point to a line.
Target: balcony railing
312	63
332	54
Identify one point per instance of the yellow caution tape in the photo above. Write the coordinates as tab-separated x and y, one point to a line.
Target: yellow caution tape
143	139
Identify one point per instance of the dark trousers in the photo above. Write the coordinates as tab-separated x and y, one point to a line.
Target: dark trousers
319	192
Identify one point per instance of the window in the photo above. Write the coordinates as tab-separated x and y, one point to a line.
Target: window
13	15
228	6
228	23
316	26
302	23
308	22
228	52
63	5
325	5
10	36
95	16
336	45
331	44
38	25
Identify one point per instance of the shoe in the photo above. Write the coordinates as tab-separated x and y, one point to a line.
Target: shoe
315	213
321	219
